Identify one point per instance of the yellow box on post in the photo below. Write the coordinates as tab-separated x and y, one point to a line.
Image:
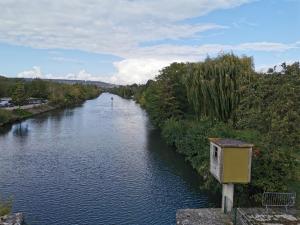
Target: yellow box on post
230	160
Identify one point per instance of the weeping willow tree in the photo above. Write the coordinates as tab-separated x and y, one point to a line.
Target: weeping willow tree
214	86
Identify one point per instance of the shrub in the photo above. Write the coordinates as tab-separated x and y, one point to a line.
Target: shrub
5	206
5	116
21	113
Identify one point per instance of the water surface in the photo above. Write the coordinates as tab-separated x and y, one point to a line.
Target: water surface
100	163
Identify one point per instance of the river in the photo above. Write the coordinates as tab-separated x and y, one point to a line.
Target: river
100	163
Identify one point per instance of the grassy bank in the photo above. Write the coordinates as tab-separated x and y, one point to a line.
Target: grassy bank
8	117
5	206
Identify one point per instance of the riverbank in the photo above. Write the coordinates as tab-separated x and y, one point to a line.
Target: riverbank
224	97
19	92
11	116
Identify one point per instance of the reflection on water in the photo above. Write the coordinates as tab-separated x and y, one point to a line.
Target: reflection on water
68	112
21	129
168	156
5	129
100	162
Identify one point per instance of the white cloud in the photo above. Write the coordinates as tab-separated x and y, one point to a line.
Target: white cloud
154	58
81	75
196	51
118	27
103	26
35	72
137	70
61	59
129	71
267	46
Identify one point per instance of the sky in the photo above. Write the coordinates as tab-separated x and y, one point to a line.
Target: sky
129	41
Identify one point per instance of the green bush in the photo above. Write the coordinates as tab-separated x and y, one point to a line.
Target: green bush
66	95
173	131
191	139
21	113
5	116
57	93
272	168
5	206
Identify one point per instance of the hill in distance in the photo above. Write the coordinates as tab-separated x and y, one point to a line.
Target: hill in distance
65	81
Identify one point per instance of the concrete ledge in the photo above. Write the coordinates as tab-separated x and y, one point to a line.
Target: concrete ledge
272	216
205	216
14	219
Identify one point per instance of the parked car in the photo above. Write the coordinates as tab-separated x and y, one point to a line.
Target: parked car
33	101
4	104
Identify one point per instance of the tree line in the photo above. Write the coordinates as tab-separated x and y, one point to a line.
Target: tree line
57	94
225	97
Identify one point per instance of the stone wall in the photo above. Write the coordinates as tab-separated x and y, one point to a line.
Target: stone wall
13	219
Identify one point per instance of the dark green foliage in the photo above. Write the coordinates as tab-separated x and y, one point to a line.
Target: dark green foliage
5	116
173	131
230	100
16	114
19	94
21	113
213	87
5	206
66	95
160	103
166	98
7	86
124	91
38	88
272	168
56	93
59	95
271	105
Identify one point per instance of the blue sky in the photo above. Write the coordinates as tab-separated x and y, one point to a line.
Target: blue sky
125	41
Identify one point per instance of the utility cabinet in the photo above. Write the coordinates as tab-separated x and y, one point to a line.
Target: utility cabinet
230	160
230	163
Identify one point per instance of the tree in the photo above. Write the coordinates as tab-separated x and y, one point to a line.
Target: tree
19	94
166	96
38	88
213	87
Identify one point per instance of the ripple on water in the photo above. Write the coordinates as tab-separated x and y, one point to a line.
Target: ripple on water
95	164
